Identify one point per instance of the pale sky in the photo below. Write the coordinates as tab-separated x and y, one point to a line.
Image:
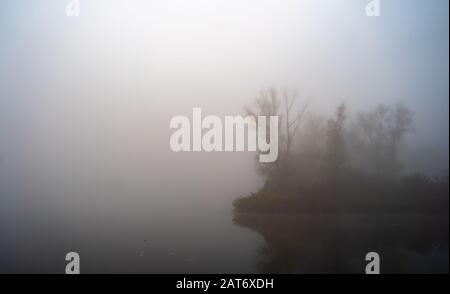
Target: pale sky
73	86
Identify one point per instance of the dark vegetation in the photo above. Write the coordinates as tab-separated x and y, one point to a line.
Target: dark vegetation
356	194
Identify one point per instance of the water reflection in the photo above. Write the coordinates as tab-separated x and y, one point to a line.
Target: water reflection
338	244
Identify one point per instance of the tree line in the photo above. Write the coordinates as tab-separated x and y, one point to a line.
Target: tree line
342	159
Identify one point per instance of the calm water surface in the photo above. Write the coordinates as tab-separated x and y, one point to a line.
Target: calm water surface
170	234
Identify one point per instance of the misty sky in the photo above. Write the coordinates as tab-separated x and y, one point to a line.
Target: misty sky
94	95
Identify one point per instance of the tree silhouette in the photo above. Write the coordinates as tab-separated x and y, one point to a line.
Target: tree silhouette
271	103
336	156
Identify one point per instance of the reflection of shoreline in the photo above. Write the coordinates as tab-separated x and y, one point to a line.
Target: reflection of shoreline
338	244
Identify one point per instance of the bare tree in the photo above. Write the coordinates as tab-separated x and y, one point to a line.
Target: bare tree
292	123
399	123
269	103
336	152
266	104
379	135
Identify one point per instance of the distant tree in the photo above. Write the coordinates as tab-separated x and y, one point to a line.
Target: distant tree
380	133
307	163
399	123
336	156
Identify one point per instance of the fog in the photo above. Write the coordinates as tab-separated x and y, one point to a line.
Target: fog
86	102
